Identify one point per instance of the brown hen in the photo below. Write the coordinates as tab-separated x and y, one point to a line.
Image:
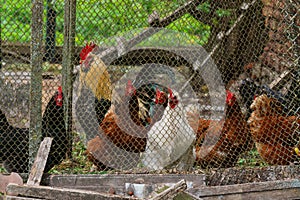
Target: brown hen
221	142
118	136
275	134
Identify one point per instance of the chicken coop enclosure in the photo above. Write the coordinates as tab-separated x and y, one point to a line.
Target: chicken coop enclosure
144	86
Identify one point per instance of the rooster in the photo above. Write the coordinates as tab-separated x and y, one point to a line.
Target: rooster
276	134
14	141
94	100
53	125
171	136
138	101
95	77
225	140
125	130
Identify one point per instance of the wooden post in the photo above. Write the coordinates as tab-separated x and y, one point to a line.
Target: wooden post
0	54
50	32
35	106
68	57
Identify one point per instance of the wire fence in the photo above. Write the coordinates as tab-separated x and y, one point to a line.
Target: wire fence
148	86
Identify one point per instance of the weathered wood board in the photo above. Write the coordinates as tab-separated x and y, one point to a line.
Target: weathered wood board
20	198
273	190
102	183
39	164
45	192
280	189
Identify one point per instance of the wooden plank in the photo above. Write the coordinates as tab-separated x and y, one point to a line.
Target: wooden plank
115	179
238	175
20	198
21	53
291	194
61	193
267	190
102	183
39	164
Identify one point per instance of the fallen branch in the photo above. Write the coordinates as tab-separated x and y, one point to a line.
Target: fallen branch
172	191
186	8
281	80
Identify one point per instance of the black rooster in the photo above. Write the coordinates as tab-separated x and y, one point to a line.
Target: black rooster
53	125
14	141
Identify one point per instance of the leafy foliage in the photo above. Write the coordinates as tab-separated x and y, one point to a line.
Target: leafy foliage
15	21
99	20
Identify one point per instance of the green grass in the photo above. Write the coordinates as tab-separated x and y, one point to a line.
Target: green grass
79	164
2	170
251	159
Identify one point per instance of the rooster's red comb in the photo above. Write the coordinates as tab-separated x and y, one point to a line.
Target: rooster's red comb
230	98
59	96
160	97
59	89
86	50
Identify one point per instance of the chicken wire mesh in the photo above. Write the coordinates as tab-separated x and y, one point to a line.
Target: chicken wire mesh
163	85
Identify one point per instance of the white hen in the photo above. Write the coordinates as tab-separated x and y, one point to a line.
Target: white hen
170	137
